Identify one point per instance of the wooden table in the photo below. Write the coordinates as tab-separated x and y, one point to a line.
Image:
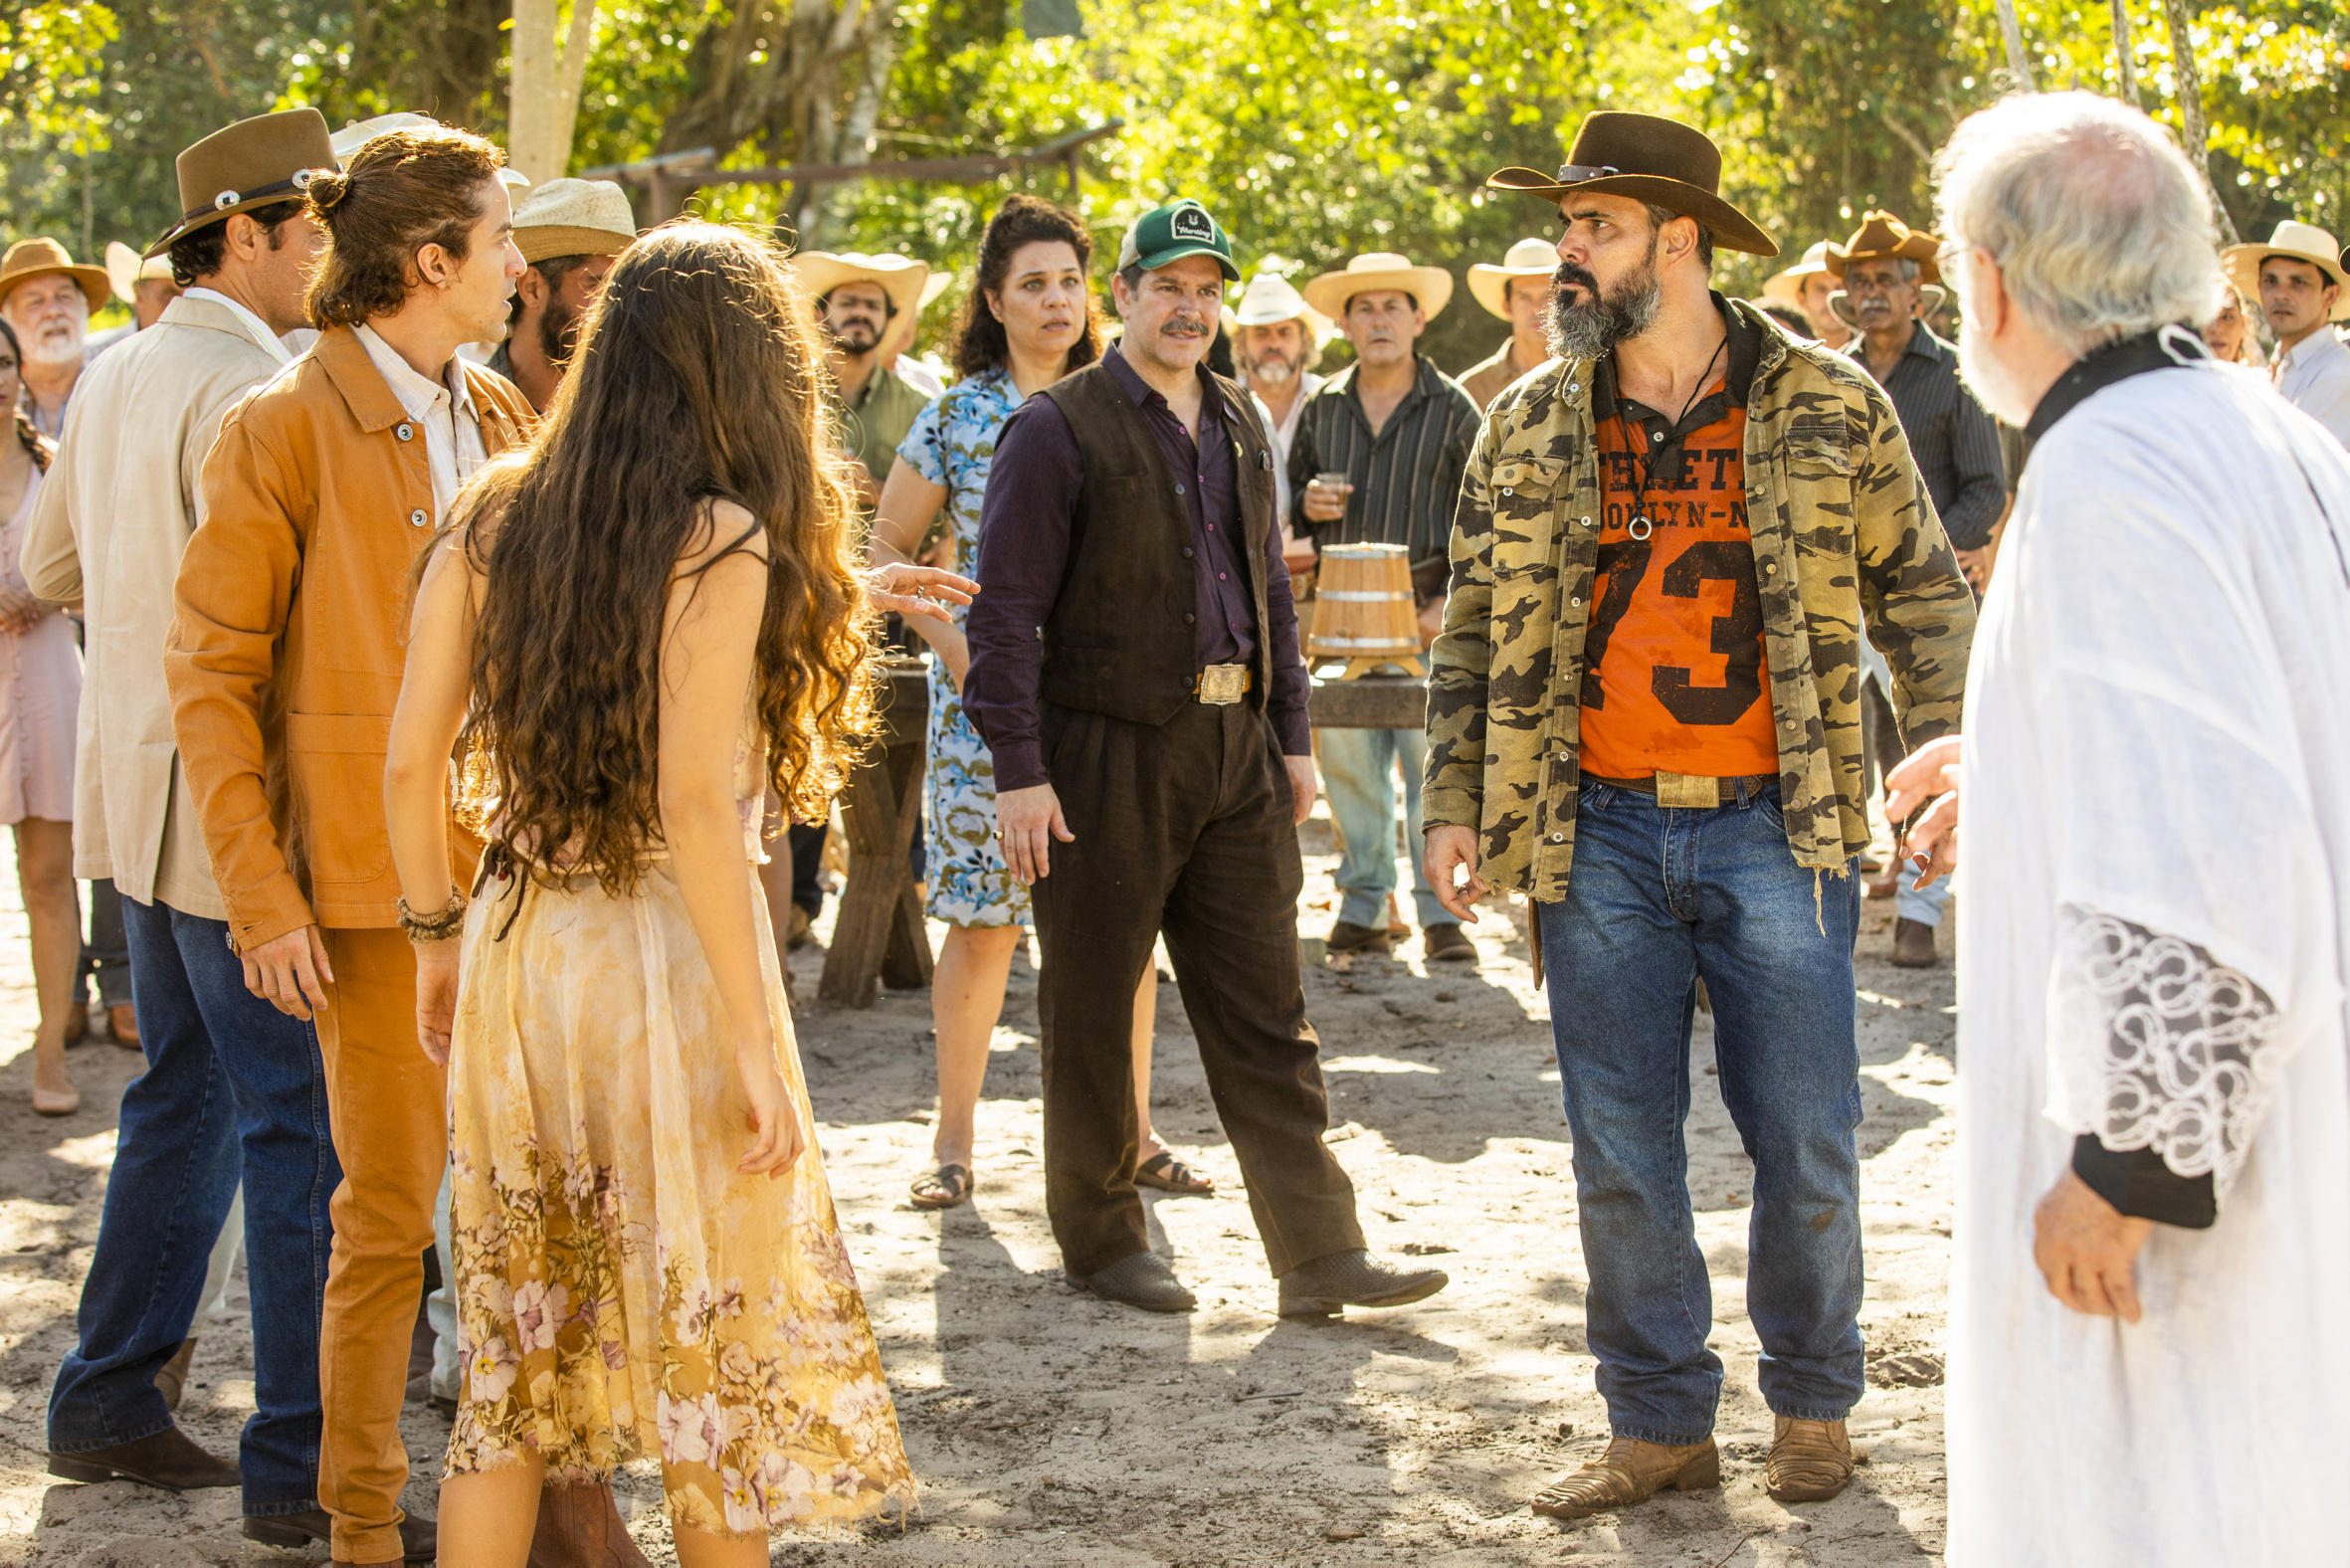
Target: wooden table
1372	702
878	938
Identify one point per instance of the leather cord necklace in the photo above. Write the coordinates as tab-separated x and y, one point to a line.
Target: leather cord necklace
1641	528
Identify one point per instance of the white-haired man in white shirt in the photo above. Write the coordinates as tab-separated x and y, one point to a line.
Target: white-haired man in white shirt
2153	1245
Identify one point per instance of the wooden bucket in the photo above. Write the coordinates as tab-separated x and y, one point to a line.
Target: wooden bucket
1363	612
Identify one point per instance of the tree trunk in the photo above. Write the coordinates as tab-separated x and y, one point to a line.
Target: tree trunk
798	78
2125	66
2018	62
549	64
2190	89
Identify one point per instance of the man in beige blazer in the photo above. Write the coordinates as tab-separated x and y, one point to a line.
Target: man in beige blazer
234	1087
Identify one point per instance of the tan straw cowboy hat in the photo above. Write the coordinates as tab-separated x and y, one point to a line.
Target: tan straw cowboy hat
252	163
904	280
29	259
1786	285
2303	241
1271	298
1882	236
1488	285
1648	158
126	269
570	217
1374	271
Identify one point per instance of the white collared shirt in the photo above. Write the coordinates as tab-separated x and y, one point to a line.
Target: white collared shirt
451	427
2314	376
254	327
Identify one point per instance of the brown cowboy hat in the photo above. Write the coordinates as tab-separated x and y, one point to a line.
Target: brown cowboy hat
1648	158
1882	236
268	158
31	258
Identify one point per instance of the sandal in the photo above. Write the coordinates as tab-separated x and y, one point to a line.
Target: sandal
942	1188
1169	1174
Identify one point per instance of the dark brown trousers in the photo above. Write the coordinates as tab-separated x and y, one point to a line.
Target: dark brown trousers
1183	828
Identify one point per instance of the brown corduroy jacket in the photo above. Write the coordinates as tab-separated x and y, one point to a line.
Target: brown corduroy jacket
285	653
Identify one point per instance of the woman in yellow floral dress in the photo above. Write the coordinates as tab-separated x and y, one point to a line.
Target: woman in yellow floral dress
630	632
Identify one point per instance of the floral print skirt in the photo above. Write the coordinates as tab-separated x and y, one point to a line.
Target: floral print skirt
969	882
623	1294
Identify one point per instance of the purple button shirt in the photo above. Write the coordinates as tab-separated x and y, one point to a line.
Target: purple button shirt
1032	493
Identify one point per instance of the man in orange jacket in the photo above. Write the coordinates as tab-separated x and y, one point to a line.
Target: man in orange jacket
284	663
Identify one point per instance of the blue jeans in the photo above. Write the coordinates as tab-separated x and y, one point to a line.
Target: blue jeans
1359	768
1657	898
233	1089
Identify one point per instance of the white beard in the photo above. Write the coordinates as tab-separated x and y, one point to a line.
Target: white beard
1272	372
55	346
1993	386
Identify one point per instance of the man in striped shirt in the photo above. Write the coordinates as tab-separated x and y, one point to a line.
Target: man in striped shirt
1398	430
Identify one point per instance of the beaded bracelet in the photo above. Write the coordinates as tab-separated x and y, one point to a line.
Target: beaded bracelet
437	927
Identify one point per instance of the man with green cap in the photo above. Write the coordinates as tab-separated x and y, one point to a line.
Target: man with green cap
1135	670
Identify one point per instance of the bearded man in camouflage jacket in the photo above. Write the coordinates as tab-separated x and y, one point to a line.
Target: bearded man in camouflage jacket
1667	543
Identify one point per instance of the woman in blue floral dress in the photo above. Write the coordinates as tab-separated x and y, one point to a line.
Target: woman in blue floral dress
1030	322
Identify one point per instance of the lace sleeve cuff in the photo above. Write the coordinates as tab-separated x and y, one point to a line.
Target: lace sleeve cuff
2161	1049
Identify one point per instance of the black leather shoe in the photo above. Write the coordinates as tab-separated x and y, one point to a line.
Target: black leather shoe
1329	1285
1141	1280
169	1459
417	1536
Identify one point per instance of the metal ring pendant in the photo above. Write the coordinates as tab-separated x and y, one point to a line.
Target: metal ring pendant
1641	528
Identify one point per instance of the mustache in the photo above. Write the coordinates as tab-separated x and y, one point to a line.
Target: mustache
1569	274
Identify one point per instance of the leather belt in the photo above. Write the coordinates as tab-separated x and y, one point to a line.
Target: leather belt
1693	790
1222	685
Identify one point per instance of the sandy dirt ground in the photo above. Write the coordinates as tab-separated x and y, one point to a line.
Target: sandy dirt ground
1052	1429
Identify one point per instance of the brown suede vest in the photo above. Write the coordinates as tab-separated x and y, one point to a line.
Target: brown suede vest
1122	637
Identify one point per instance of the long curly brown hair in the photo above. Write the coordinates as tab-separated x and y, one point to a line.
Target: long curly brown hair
696	378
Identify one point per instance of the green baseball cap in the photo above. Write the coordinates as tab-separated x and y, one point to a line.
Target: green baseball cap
1170	233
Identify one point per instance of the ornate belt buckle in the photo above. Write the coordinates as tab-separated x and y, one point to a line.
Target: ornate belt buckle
1223	684
1686	790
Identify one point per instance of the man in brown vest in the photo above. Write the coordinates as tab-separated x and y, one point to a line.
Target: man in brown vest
1135	670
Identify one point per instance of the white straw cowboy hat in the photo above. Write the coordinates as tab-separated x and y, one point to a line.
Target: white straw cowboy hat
2303	241
1489	284
1378	270
27	258
1268	300
354	136
570	217
126	269
1786	287
904	280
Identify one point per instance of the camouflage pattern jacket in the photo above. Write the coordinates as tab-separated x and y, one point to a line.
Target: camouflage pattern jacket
1844	531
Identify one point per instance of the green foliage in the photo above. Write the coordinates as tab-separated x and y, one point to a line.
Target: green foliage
1315	128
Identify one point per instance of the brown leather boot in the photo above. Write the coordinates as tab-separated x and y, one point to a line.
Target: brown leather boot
1631	1472
579	1526
1913	945
1809	1460
171	1378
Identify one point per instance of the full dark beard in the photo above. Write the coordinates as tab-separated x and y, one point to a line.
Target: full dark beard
1588	327
558	332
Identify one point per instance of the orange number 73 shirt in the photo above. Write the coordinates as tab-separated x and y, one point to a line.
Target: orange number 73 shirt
1673	663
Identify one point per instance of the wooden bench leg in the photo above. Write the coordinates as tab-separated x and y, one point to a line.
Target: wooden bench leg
878	933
